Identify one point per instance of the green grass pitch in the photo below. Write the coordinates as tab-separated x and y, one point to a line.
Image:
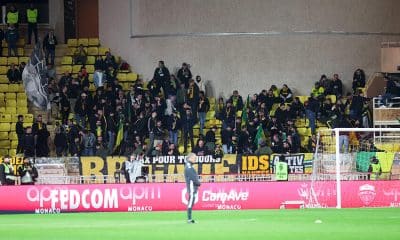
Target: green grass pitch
251	224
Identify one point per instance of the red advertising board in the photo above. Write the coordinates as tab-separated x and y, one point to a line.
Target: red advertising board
212	196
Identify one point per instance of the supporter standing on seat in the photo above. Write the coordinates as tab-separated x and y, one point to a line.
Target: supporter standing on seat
184	74
161	76
192	184
19	129
204	107
29	143
49	47
7	172
39	130
188	121
12	36
32	17
27	172
358	79
337	86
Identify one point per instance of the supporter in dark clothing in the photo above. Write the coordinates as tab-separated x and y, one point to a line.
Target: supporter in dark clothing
392	90
161	75
286	94
200	149
13	74
60	142
357	106
193	96
243	141
188	121
172	150
228	115
210	138
99	63
109	61
358	79
236	100
29	143
226	136
82	110
39	130
337	86
286	148
173	126
184	74
312	108
281	114
276	144
19	129
65	105
204	107
49	47
12	37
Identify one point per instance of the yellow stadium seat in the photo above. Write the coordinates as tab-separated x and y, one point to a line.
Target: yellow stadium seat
90	68
2	103
3	135
121	77
2	95
28	118
90	77
5	52
66	60
83	41
72	42
21	110
11	103
20	52
11	60
5	144
11	95
103	50
2	109
14	118
21	88
25	125
131	77
93	51
5	118
94	42
21	96
13	88
4	88
66	68
12	152
3	61
3	69
23	59
11	110
5	127
21	103
92	88
13	135
90	60
3	152
125	86
21	42
14	144
3	79
76	68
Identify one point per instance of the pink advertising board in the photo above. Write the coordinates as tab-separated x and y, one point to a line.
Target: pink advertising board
212	196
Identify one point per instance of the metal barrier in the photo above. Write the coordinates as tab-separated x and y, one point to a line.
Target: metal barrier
179	178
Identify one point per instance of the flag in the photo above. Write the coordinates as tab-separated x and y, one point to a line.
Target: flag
244	111
260	135
35	80
120	134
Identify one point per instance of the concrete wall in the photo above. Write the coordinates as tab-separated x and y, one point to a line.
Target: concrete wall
56	18
251	63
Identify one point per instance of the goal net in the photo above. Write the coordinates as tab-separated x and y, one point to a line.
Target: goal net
346	160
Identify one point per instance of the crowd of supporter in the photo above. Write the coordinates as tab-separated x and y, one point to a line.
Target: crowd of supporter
154	118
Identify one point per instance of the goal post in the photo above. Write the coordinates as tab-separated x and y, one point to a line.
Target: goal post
345	154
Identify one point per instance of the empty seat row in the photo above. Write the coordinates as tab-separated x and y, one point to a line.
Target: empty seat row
7	61
11	88
91	51
73	42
